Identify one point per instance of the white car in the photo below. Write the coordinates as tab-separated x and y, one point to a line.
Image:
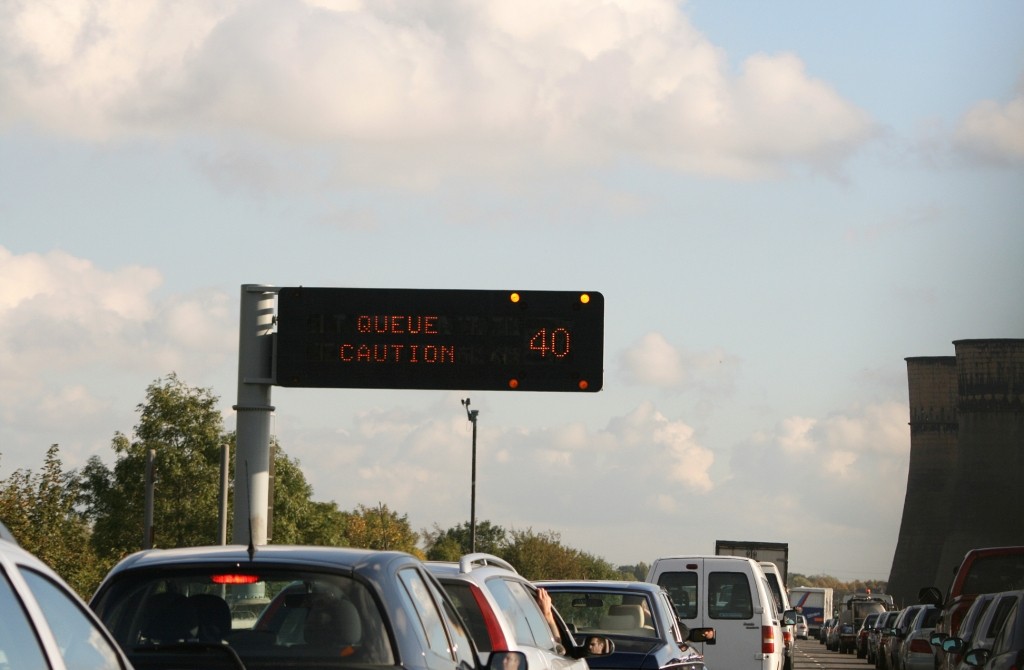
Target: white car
45	623
502	610
802	630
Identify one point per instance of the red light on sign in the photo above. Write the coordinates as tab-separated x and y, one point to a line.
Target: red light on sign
583	384
513	383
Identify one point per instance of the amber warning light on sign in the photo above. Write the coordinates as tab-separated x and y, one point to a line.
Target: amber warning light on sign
440	339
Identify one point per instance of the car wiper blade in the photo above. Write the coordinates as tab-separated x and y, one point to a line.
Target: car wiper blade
190	650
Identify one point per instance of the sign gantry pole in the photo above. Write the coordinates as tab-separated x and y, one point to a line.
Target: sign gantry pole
252	449
472	414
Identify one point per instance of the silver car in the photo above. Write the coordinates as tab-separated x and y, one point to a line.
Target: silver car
802	630
44	623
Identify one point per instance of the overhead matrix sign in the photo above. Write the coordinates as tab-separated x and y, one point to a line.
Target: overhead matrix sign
440	339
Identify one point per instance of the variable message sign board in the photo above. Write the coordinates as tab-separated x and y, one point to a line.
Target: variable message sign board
440	339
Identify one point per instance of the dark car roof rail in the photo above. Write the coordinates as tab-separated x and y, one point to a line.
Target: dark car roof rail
469	561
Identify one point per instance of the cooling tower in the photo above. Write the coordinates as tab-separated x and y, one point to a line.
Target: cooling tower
932	384
986	508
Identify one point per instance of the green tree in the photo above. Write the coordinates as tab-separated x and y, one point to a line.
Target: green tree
450	544
297	518
183	427
636	572
542	556
41	511
380	528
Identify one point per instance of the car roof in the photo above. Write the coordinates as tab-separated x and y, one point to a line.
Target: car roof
602	585
477	564
344	558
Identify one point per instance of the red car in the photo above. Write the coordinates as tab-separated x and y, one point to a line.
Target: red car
981	571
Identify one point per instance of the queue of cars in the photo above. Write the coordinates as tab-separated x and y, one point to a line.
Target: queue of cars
315	607
975	627
318	607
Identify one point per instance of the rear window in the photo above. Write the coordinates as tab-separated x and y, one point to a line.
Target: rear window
265	615
729	596
992	574
615	614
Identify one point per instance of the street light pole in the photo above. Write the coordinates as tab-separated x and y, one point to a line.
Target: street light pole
471	415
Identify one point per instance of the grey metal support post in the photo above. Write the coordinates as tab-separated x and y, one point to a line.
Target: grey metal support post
147	523
255	377
225	457
471	415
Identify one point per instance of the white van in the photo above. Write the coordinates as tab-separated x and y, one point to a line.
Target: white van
778	591
730	594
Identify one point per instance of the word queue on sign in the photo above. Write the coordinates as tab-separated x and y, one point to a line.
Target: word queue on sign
440	339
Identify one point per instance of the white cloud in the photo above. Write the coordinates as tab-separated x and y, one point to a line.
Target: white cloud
74	330
994	131
794	436
654	361
426	85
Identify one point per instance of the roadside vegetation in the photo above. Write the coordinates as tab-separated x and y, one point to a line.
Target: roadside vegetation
81	522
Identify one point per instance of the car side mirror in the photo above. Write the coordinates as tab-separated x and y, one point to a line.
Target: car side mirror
953	645
706	635
789	617
507	660
599	646
976	658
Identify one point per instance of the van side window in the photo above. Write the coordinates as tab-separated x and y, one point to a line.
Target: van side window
729	596
682	589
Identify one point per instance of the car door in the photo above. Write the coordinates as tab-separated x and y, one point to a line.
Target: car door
445	642
518	601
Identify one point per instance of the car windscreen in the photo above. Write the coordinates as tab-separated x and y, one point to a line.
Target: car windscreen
612	614
263	614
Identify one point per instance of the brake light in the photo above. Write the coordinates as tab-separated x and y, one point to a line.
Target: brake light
787	637
767	639
234	579
494	634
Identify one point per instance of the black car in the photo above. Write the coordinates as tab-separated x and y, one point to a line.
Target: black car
639	619
321	607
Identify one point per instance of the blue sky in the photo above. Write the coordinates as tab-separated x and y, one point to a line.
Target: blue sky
779	201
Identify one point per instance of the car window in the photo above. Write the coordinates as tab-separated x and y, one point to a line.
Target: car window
1004	641
465	655
82	645
729	596
302	613
431	622
469	609
991	574
677	634
19	647
999	615
522	612
682	589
